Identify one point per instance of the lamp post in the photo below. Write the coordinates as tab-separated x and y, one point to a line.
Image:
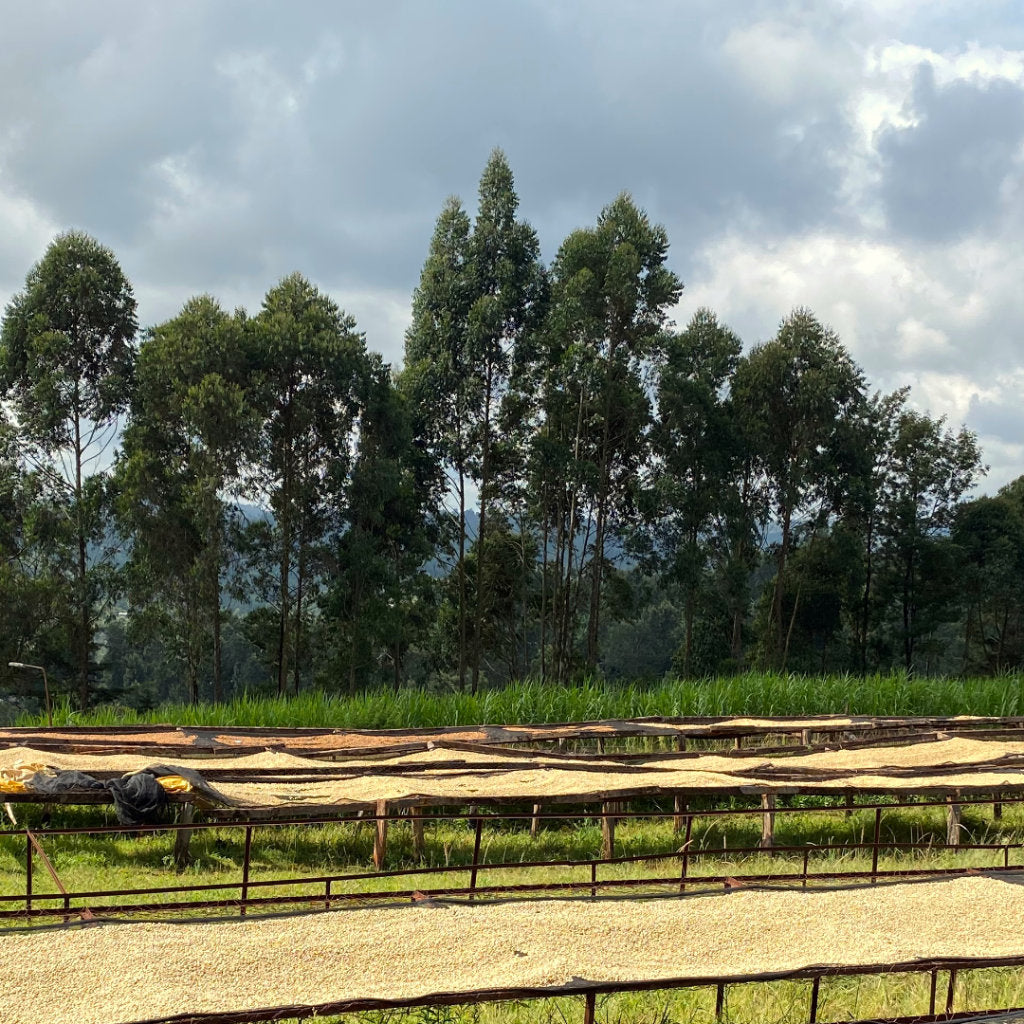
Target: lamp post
46	686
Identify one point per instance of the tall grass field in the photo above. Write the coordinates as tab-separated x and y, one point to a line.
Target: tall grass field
531	701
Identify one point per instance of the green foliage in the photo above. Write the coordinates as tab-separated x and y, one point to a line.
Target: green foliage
646	501
66	361
797	398
309	372
183	449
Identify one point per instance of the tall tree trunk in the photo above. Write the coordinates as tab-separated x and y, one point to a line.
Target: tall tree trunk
462	577
81	583
604	487
689	610
297	669
524	642
775	622
596	580
865	615
543	599
485	484
192	643
566	624
908	617
215	558
736	640
283	618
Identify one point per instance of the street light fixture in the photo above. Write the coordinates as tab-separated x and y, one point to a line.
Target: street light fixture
46	686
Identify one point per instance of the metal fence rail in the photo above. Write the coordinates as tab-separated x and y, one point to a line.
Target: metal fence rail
32	903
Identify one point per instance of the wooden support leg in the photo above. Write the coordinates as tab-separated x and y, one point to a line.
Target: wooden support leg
997	807
954	815
535	821
380	836
680	743
417	831
849	805
608	831
679	808
600	745
589	1007
805	737
767	821
183	836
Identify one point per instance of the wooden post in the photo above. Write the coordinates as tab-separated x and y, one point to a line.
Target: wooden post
245	866
719	1000
849	804
183	836
589	1007
608	830
600	744
380	835
805	737
767	821
476	854
535	821
28	874
876	842
417	813
680	743
997	807
679	807
954	814
685	862
815	985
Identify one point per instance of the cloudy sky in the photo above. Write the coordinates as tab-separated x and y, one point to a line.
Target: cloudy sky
861	157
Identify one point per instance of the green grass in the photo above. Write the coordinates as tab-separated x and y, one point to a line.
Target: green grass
750	694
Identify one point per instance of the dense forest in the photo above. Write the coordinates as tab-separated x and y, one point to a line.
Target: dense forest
558	482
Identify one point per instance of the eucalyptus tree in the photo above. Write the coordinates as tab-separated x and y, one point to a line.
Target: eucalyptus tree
179	477
309	365
989	533
32	629
480	296
376	590
931	466
695	448
66	359
865	508
508	286
799	397
611	293
442	391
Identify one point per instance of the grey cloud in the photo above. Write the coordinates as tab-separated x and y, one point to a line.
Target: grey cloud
1004	420
943	175
325	138
218	146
